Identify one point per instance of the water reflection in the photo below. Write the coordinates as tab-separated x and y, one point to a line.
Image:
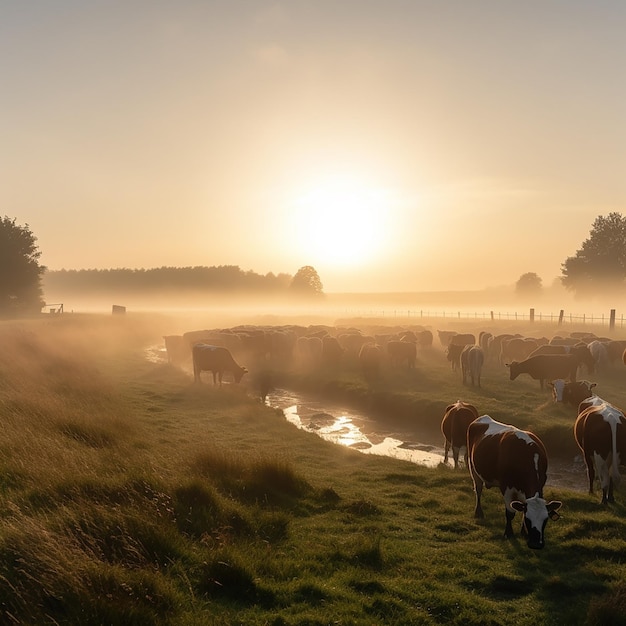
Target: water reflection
344	430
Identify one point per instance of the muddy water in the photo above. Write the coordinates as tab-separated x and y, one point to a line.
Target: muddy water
358	431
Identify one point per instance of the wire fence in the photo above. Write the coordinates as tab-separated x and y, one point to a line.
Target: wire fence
610	320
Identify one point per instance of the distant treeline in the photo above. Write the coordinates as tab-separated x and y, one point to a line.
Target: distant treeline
217	278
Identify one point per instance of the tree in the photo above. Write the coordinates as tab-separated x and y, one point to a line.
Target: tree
528	284
307	282
20	272
601	261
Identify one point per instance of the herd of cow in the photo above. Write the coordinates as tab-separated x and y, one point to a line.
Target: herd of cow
496	454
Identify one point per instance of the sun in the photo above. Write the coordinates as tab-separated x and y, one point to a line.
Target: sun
340	221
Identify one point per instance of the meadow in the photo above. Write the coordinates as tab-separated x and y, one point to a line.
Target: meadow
131	495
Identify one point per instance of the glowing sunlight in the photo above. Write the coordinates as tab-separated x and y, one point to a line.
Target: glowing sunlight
341	221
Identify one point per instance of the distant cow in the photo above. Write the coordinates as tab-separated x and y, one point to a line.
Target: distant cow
217	360
401	352
600	433
445	336
453	354
462	339
454	425
370	357
544	367
514	460
472	360
571	392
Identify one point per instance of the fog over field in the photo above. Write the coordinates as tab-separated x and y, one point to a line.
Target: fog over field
426	308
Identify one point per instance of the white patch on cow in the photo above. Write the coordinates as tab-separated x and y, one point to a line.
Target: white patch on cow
558	386
524	436
536	511
602	470
493	427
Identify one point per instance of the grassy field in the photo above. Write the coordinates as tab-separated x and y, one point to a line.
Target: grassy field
132	496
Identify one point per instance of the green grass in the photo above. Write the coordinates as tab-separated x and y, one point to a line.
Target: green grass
132	496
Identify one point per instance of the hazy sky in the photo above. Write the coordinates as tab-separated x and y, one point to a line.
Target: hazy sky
392	144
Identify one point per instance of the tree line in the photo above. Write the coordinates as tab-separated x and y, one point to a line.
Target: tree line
599	265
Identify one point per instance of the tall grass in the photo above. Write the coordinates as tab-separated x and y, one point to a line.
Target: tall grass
129	495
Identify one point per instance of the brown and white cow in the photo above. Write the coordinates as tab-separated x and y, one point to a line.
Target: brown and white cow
217	360
571	392
501	455
454	425
600	433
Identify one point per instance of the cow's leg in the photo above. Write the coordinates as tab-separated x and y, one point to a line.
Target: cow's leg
591	473
508	530
446	449
610	497
478	490
455	456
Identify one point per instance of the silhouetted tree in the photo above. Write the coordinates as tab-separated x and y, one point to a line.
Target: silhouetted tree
20	272
307	282
601	261
528	284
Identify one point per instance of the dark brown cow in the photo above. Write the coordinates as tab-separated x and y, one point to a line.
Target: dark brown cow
370	357
401	352
600	433
217	360
462	339
454	425
501	455
453	354
580	350
544	367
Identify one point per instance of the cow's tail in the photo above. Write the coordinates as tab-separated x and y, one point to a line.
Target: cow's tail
615	476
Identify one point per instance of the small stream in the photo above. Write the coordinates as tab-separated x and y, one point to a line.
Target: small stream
361	432
355	430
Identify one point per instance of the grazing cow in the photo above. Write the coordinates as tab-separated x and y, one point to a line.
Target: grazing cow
600	353
516	461
462	339
424	339
615	348
445	337
454	425
544	367
571	392
600	433
215	359
516	349
472	359
370	357
332	352
580	350
402	351
453	354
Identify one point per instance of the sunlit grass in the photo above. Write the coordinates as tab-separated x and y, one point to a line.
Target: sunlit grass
132	496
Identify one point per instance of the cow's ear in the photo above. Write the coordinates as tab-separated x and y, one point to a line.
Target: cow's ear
553	507
518	506
592	386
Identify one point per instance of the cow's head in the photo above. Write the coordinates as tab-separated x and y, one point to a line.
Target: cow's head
558	386
513	369
238	374
536	513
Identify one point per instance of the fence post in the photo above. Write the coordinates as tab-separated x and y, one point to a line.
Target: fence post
561	313
612	320
532	315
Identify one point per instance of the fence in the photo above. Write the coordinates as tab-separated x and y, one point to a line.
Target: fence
611	320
